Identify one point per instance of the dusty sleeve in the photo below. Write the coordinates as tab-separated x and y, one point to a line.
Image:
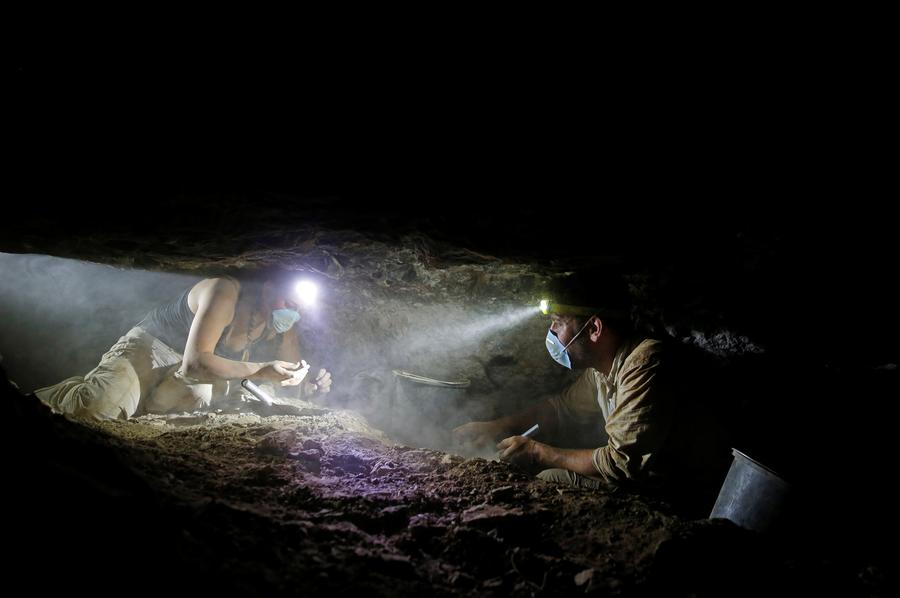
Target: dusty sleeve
578	402
640	423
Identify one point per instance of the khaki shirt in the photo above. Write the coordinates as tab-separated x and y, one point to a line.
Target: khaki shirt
651	431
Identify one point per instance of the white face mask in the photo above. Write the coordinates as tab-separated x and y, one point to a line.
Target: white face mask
557	350
283	319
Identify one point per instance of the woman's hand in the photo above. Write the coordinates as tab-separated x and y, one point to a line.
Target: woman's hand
283	372
322	384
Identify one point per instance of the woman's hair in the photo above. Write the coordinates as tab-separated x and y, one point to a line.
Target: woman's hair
277	275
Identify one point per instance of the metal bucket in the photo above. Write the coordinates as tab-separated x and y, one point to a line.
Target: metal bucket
424	410
752	495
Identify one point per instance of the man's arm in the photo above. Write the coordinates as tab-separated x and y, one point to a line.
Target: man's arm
577	403
542	413
531	454
578	400
578	460
639	426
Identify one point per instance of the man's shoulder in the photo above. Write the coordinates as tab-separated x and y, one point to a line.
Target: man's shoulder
645	351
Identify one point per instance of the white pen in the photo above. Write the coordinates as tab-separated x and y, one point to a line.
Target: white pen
531	430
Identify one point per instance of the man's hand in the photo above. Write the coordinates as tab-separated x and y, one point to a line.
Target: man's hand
479	434
322	384
520	451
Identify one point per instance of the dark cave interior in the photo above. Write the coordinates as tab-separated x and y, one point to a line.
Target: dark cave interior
818	310
770	257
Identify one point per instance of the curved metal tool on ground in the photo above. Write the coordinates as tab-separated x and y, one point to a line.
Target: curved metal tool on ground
430	381
257	391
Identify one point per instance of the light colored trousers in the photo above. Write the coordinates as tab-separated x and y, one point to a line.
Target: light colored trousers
139	374
564	476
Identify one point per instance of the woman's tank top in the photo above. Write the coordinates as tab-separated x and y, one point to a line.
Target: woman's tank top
171	323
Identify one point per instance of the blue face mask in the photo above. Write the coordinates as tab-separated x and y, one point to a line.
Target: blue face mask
557	350
283	319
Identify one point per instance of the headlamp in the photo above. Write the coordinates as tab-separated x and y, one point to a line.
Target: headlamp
306	292
548	306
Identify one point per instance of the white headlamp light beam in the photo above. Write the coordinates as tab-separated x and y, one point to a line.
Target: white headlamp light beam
306	291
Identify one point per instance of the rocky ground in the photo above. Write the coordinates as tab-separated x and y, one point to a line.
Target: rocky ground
318	502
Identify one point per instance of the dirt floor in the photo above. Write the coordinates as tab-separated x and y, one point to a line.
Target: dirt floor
320	503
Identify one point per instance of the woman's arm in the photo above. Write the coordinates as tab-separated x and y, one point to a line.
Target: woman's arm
289	349
214	302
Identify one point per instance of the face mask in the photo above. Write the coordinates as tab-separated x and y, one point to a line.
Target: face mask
283	319
557	350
